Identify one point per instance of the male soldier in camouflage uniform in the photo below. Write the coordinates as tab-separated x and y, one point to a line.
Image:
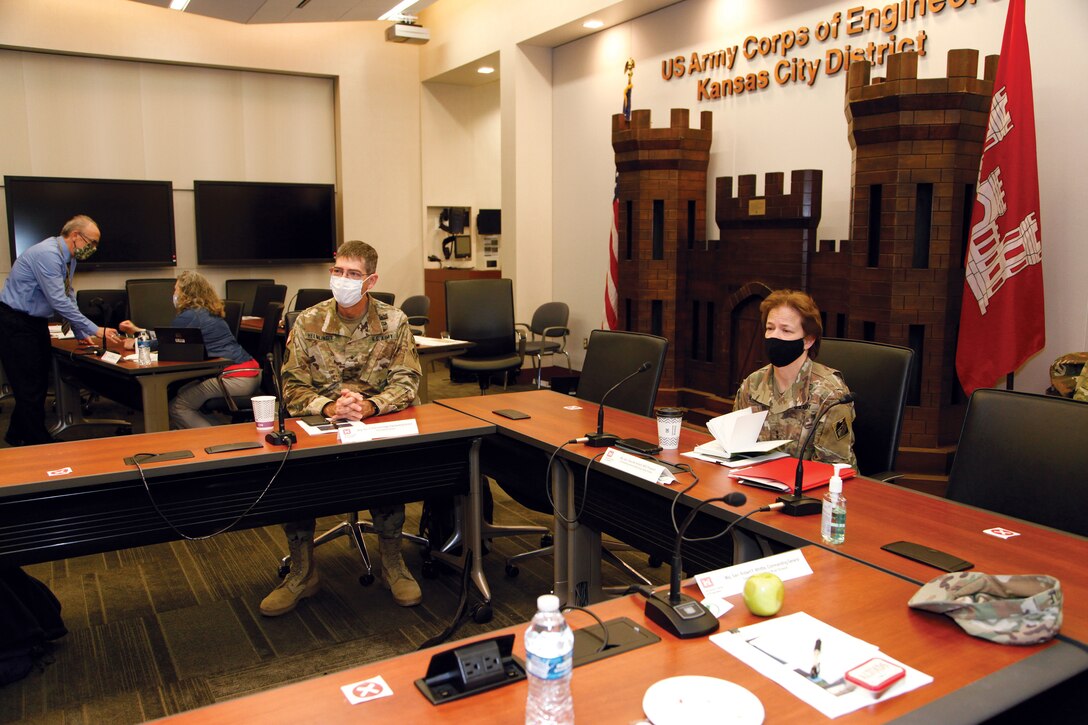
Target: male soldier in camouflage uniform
349	357
791	318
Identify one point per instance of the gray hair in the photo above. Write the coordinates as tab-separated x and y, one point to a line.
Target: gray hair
77	224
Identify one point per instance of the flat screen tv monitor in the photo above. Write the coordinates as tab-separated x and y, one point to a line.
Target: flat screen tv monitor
245	222
136	218
489	222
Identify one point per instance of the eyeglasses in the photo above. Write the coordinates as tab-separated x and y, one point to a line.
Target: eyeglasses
352	274
92	242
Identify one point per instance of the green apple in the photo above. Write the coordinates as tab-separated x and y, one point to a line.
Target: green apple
763	594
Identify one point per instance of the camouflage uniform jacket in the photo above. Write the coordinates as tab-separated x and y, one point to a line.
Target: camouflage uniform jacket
375	357
791	413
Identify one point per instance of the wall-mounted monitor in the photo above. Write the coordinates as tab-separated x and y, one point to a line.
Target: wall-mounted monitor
245	222
136	218
489	222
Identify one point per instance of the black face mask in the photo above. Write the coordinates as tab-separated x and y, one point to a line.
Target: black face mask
781	353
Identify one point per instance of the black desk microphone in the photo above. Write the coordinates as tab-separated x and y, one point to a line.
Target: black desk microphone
279	437
678	613
797	503
600	439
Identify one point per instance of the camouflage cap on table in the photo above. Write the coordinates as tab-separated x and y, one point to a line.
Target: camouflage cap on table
1003	608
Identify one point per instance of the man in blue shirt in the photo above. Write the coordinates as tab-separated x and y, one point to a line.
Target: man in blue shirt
40	284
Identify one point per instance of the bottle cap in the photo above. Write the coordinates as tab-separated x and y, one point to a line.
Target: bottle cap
547	603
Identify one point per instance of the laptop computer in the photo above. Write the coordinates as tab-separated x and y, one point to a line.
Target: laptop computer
180	344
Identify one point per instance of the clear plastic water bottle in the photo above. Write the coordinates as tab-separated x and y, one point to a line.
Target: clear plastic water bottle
549	654
143	349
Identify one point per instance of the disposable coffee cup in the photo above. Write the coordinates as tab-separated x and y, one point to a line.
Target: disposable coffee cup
264	411
668	428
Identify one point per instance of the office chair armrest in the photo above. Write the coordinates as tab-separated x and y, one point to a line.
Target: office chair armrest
885	476
556	331
418	320
227	398
521	342
528	330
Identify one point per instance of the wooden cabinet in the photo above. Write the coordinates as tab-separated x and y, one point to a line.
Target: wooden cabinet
434	286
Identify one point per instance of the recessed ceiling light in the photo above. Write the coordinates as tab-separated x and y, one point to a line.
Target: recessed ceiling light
593	24
485	69
179	4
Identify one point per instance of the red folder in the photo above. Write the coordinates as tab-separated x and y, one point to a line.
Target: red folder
780	474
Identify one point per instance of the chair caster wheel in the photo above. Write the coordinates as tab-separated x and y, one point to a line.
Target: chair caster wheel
546	540
481	613
282	571
654	561
512	570
366	580
430	570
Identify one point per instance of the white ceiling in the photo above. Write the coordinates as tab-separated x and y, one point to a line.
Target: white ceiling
287	11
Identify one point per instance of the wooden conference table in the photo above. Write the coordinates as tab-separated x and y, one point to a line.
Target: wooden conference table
973	678
80	497
123	381
637	512
429	349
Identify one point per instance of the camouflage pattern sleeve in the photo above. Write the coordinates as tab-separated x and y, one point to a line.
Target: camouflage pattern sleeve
300	392
834	441
1080	390
742	399
404	373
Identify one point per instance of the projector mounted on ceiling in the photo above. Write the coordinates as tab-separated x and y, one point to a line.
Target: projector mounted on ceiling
407	33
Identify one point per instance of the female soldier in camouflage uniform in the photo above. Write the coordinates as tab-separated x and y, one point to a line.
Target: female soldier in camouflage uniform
793	388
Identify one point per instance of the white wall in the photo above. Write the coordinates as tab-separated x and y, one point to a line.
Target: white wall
375	154
791	127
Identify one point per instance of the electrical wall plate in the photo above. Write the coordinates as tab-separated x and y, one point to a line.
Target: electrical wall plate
472	668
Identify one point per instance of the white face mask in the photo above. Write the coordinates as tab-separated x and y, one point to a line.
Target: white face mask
347	292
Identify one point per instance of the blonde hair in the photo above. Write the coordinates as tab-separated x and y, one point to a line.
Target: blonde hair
195	292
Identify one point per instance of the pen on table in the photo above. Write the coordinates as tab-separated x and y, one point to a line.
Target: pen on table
816	659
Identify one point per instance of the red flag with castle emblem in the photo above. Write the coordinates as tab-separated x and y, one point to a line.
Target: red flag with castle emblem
1001	321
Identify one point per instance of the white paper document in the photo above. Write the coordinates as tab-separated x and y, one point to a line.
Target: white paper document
736	433
422	341
783	649
730	580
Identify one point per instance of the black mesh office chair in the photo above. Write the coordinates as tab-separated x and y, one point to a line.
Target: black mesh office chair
388	298
417	307
151	302
244	290
289	321
611	356
878	375
232	313
240	409
1024	455
310	296
104	307
265	295
547	335
482	312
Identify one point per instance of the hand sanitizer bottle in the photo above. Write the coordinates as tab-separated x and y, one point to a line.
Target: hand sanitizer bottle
833	523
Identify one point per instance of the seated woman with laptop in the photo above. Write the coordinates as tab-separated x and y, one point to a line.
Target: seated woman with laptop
199	306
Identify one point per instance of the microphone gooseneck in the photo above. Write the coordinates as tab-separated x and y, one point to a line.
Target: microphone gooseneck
733	499
600	439
797	503
279	437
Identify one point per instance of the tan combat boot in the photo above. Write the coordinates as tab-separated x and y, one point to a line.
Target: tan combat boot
395	575
300	582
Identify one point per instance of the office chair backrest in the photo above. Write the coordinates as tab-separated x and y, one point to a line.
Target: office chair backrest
416	306
612	355
289	321
1024	455
482	311
386	297
151	302
265	294
878	375
104	307
244	290
310	296
550	314
269	331
232	313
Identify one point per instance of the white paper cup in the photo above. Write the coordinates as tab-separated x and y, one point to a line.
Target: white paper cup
264	411
668	428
